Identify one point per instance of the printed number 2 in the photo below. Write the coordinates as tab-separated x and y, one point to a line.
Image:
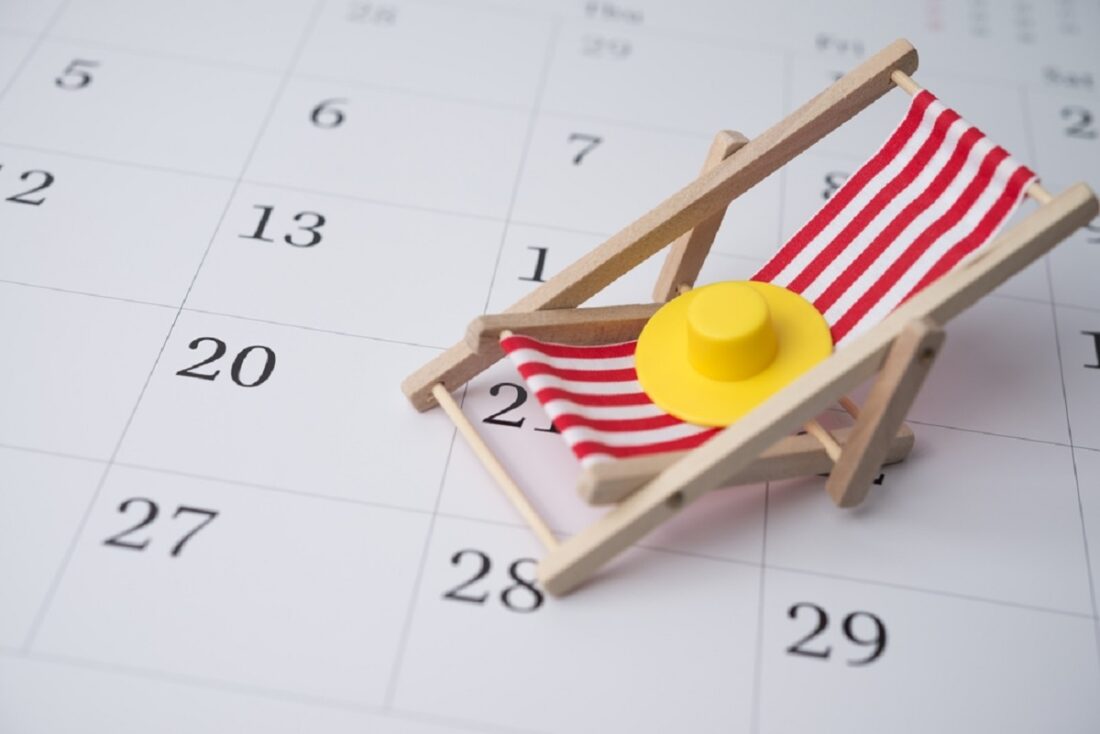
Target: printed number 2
1080	119
151	511
498	419
848	626
24	197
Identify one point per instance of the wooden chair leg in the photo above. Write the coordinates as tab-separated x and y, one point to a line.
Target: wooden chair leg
685	258
897	385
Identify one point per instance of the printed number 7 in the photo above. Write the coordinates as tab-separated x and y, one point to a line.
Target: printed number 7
591	140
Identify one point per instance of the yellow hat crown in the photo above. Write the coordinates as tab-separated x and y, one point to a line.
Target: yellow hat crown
716	352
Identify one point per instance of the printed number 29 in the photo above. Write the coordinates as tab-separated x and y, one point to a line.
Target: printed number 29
876	641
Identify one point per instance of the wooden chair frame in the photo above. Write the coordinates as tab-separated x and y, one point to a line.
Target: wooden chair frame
649	490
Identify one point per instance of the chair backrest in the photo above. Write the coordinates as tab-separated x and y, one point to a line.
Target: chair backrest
934	193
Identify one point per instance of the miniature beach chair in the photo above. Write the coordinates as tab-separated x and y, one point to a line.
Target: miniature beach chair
909	241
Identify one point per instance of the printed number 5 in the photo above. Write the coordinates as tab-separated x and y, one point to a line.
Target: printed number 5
76	74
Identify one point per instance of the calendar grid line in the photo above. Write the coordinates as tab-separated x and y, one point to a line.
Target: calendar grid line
39	38
758	669
58	577
529	134
185	59
414	593
279	694
419	345
323	457
515	524
1048	269
933	592
1073	460
156	168
761	590
406	632
87	294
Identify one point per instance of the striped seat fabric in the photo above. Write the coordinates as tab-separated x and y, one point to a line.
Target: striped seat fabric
935	192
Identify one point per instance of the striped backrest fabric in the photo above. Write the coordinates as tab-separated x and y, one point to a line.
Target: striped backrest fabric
935	192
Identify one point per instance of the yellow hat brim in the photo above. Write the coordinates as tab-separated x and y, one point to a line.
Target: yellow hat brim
670	381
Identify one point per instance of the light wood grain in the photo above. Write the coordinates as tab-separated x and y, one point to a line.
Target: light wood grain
794	456
737	446
496	470
896	387
821	434
695	203
580	326
685	257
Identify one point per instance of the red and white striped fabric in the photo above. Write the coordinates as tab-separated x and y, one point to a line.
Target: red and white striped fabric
932	195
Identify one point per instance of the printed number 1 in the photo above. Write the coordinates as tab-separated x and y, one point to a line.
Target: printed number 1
1096	345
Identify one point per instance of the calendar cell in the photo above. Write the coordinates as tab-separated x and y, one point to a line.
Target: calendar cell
109	104
27	16
1066	127
727	524
392	147
1073	269
941	519
824	640
599	177
663	81
91	357
998	372
276	246
808	182
41	503
252	32
105	229
532	255
319	618
13	49
464	52
124	701
301	410
1079	339
679	661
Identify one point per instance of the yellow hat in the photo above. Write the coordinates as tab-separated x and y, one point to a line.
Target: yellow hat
714	353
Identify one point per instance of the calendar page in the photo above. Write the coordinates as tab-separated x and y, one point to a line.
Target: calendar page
228	230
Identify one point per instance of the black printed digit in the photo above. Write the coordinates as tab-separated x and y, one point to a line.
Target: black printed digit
119	540
522	596
1081	124
1095	335
327	115
24	196
589	143
833	181
496	418
540	265
484	564
219	352
77	75
877	640
799	648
